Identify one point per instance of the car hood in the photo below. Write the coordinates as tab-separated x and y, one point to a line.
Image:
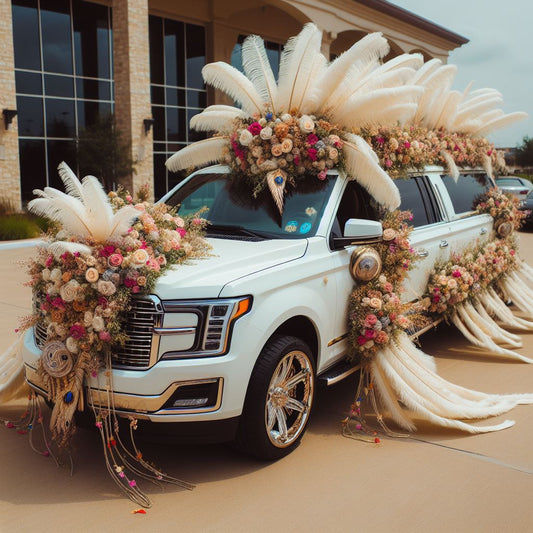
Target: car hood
229	260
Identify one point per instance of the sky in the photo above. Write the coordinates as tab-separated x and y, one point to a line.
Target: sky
499	54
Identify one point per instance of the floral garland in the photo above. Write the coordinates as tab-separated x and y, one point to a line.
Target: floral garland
298	145
376	312
400	150
466	275
503	208
80	297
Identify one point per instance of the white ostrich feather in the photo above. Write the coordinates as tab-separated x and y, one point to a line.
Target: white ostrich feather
499	123
362	163
450	165
257	68
449	109
308	104
467	112
369	50
220	121
235	84
412	61
70	180
487	165
58	248
12	382
426	70
296	68
98	210
198	154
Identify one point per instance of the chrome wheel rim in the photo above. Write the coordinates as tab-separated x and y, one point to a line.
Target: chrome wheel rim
289	399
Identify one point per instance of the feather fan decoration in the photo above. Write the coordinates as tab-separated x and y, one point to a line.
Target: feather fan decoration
362	163
235	84
257	68
220	119
501	122
86	213
198	154
12	383
297	68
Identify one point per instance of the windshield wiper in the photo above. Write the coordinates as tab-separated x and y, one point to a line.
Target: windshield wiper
228	229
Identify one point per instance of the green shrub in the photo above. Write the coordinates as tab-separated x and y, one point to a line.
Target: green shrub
18	226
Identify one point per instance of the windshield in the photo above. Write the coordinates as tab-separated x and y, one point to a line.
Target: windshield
234	213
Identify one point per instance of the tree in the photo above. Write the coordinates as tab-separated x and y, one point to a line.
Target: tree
524	152
102	152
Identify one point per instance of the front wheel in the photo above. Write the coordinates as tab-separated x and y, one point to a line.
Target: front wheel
279	399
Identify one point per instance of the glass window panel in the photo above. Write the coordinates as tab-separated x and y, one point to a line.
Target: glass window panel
93	89
157	56
157	94
160	175
174	147
56	36
158	113
236	57
58	85
26	34
59	151
176	124
160	147
273	51
197	99
412	201
30	116
175	97
194	135
91	39
32	167
195	55
28	82
60	119
174	54
88	112
465	191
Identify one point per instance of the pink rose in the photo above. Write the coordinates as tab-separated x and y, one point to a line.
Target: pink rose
370	321
104	336
312	139
255	128
115	260
370	334
361	340
312	153
77	331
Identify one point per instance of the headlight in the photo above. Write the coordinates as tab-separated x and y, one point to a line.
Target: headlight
365	264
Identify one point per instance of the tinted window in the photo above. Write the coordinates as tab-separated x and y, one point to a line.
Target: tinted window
466	190
414	198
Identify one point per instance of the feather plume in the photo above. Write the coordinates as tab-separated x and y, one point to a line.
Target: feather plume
308	104
426	70
12	383
276	180
487	165
369	50
220	121
198	154
257	68
500	122
70	180
363	165
450	165
449	110
296	67
58	248
235	84
466	112
98	210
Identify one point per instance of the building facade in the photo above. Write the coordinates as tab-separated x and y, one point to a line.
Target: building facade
63	63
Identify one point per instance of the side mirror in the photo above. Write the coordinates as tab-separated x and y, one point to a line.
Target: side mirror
359	231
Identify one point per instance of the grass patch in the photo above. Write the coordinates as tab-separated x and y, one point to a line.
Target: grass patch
18	226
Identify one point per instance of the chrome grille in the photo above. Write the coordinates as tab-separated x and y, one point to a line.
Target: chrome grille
39	332
138	326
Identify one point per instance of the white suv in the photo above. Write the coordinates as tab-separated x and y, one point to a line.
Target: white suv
231	347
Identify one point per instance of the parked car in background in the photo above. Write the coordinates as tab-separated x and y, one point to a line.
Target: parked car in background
519	187
527	208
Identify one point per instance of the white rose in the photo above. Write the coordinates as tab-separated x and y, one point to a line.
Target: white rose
98	323
106	288
306	124
140	257
266	133
87	318
46	274
69	290
72	345
245	138
61	330
286	117
56	274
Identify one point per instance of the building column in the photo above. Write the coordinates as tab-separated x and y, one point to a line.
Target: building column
131	64
9	146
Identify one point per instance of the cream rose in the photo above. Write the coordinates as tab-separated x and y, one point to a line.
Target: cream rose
90	260
69	290
375	303
245	138
333	153
106	288
306	124
140	257
389	234
46	274
87	318
286	146
72	345
91	275
56	275
98	323
266	133
276	150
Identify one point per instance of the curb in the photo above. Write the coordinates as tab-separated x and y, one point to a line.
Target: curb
23	243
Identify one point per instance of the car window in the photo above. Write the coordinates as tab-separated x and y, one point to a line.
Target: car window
466	190
417	198
509	182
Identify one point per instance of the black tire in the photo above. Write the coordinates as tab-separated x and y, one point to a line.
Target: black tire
281	392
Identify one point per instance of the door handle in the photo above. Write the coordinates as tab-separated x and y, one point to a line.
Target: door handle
443	243
422	252
483	231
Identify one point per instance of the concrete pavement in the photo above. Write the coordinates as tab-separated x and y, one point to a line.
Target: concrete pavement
437	481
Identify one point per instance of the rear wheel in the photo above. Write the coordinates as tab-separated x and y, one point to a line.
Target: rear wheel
279	399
